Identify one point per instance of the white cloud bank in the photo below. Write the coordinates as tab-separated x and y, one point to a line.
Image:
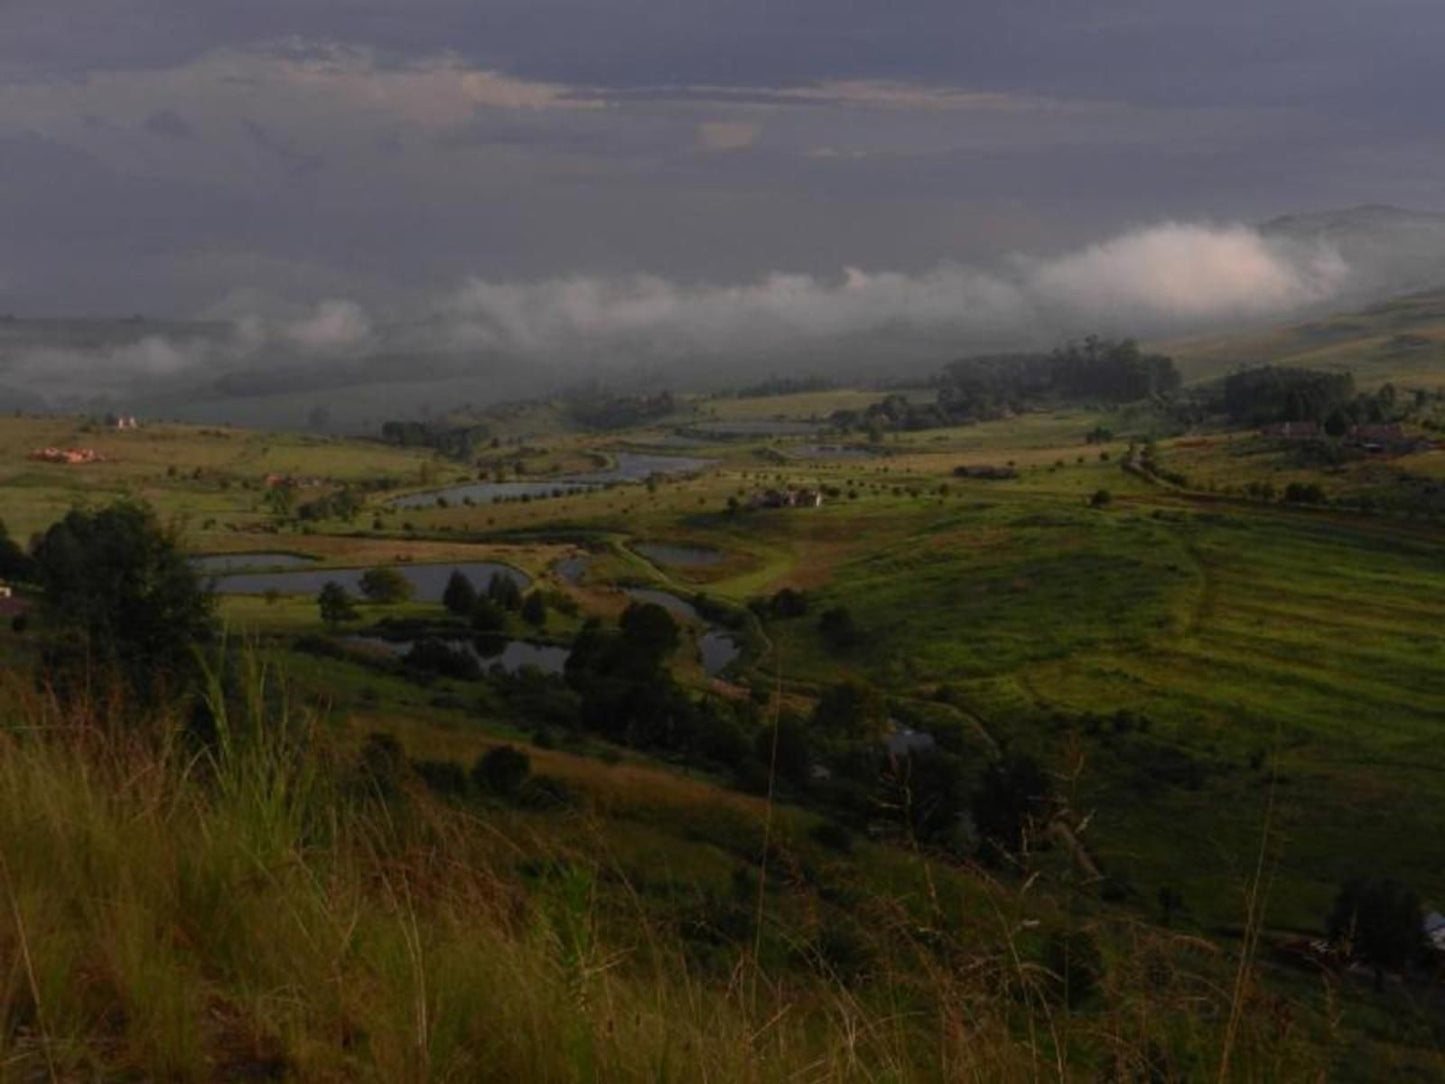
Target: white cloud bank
1165	279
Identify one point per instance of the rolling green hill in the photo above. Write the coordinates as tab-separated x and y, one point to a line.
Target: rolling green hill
1400	341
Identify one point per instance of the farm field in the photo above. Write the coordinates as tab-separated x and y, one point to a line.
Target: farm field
1275	667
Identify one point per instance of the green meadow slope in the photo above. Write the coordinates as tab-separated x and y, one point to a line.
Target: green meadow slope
1401	341
1237	700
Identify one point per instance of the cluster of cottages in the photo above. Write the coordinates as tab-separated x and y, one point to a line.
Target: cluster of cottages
69	456
275	481
1383	439
787	498
122	421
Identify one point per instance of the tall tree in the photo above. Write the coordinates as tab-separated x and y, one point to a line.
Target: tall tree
1379	921
385	585
459	597
336	604
119	596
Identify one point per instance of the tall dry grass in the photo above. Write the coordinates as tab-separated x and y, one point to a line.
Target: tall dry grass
246	908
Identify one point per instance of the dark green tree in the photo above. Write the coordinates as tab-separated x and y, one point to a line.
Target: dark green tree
648	632
459	597
837	628
785	747
487	616
850	709
534	610
14	564
385	585
1377	920
1014	800
336	604
119	597
501	770
504	592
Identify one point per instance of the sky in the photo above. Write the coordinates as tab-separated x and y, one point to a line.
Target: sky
327	167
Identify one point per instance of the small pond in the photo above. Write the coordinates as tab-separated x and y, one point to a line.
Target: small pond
681	556
237	562
719	650
668	601
509	655
717	647
487	492
428	581
630	467
572	569
831	451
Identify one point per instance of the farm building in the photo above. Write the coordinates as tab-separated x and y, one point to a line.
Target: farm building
69	456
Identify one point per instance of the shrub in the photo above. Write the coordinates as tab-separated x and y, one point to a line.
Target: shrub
832	835
445	777
385	585
501	770
837	628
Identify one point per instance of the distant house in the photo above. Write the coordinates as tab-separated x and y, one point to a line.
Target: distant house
1387	439
69	456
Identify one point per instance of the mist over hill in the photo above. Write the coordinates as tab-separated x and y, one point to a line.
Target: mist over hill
266	361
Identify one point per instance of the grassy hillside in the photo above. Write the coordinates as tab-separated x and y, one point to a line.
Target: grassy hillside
1401	341
1236	700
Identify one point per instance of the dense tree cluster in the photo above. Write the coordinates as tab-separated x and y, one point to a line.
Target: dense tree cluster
1095	370
597	410
454	441
1272	393
343	504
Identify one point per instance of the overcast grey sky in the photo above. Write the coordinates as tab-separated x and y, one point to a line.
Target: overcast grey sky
170	156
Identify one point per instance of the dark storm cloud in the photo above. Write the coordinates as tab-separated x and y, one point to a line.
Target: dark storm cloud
641	172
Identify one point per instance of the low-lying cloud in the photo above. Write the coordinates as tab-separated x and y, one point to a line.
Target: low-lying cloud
1164	279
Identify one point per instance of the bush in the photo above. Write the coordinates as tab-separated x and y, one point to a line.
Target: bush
501	771
832	835
547	792
120	596
837	628
336	604
433	656
385	585
459	597
534	610
789	603
445	777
